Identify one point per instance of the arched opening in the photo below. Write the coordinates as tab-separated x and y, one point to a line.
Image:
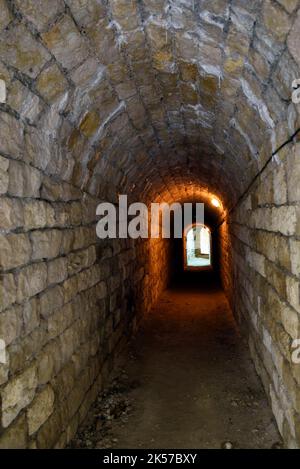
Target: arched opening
197	248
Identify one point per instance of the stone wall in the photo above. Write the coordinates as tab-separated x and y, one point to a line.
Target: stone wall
260	245
155	99
68	304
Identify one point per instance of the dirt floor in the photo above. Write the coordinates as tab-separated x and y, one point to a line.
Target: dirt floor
189	383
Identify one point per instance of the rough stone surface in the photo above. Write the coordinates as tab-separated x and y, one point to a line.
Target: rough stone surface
18	394
163	104
40	410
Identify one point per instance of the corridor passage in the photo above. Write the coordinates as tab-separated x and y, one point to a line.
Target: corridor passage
189	382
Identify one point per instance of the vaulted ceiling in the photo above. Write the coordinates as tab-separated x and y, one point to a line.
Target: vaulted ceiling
149	97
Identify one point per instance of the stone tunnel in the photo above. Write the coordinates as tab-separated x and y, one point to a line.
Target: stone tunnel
166	101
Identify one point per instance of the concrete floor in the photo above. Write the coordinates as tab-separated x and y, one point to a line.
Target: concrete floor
197	387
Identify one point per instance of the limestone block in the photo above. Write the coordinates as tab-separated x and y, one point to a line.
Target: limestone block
293	292
294	40
27	104
65	381
70	287
68	343
31	280
21	50
60	320
24	180
10	324
45	244
276	278
30	316
8	291
24	349
37	149
65	33
57	270
284	220
54	191
4	181
279	186
51	83
11	136
284	74
45	363
39	12
4	371
293	173
257	261
87	12
15	437
276	20
17	394
5	17
11	213
40	409
15	250
289	5
295	256
290	321
75	213
90	123
67	241
49	433
51	300
87	72
38	214
80	260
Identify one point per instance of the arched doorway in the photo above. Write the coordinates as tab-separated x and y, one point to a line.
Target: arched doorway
197	253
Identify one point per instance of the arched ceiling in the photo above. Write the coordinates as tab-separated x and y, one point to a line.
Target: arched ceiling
151	97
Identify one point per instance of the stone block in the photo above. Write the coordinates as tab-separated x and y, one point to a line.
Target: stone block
15	251
57	270
15	437
31	280
17	394
45	363
38	214
31	318
11	136
24	180
293	173
39	12
289	5
11	213
51	300
40	409
27	104
60	320
11	324
8	291
279	186
4	180
276	20
290	321
294	40
295	256
5	17
49	433
45	244
51	83
293	292
62	33
21	50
